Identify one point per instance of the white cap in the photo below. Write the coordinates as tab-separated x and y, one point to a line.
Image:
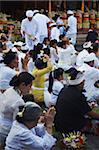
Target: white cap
52	24
87	45
69	12
78	80
90	57
29	13
18	43
35	11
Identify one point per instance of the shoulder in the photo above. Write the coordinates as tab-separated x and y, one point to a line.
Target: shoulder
34	21
22	131
8	71
58	84
24	20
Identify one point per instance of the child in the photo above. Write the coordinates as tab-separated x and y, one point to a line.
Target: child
54	51
55	85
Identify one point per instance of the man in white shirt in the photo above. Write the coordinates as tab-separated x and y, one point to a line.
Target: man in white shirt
91	75
42	21
83	54
72	27
29	29
55	32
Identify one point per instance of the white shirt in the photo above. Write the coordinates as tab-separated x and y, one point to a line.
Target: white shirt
59	21
6	74
91	75
1	56
55	33
57	86
30	27
31	66
96	61
67	57
81	56
72	23
21	56
21	138
70	48
42	21
9	106
54	55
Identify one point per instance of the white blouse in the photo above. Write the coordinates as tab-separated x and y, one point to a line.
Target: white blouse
21	138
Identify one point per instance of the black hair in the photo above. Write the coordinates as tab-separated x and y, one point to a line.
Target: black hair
40	64
58	72
9	57
46	38
61	36
31	53
37	50
55	17
72	72
52	42
46	51
54	75
39	46
95	47
96	84
4	38
1	45
29	114
25	77
63	43
28	97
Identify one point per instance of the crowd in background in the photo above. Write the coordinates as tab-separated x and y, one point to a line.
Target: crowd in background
45	81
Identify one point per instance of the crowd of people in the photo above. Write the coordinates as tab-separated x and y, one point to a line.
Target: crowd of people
46	83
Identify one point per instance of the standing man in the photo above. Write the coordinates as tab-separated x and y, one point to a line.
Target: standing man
29	29
72	27
42	21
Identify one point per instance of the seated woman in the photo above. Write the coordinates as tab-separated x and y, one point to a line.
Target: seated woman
27	134
11	100
42	66
55	86
10	68
7	71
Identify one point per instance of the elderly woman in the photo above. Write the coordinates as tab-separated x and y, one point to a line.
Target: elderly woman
11	100
27	134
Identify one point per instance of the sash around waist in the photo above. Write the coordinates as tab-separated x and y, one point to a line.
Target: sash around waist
37	88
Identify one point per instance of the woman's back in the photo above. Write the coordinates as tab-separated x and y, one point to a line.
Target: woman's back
10	103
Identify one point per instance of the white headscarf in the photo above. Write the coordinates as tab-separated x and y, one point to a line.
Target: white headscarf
29	13
78	80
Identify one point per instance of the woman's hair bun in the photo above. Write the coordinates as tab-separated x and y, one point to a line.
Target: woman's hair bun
72	73
14	81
